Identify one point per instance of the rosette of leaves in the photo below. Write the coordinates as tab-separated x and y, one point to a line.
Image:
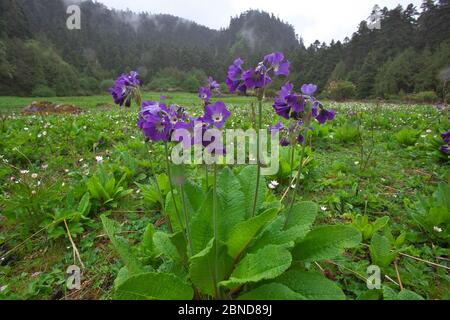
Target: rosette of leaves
260	257
433	214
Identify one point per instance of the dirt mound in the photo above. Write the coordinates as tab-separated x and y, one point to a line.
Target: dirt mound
45	107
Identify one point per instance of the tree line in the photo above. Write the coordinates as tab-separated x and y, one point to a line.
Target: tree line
40	56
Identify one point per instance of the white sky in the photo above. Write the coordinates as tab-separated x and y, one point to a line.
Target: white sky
317	19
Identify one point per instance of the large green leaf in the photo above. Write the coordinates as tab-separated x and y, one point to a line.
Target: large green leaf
380	251
311	285
231	203
154	286
246	231
174	211
326	242
201	225
203	269
267	263
390	294
247	179
302	218
121	246
272	291
165	246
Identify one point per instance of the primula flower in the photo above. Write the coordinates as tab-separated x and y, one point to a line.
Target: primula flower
125	89
213	85
216	114
277	62
309	89
446	137
325	115
234	78
256	78
156	127
205	94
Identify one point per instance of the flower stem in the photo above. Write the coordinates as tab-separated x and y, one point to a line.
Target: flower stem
258	155
186	220
297	180
160	195
216	236
169	173
206	178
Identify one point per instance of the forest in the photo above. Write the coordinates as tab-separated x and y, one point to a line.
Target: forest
407	57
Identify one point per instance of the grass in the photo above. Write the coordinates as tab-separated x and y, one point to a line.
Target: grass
338	178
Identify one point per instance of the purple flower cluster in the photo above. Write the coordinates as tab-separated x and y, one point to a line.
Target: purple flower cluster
290	105
298	108
205	93
126	88
445	148
242	80
158	121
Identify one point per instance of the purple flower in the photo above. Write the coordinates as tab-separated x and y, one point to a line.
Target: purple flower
446	137
445	149
301	139
234	78
297	103
282	108
205	94
216	114
309	89
256	78
125	89
277	62
156	127
325	115
284	142
213	85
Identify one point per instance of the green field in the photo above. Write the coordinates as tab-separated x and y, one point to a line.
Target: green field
373	161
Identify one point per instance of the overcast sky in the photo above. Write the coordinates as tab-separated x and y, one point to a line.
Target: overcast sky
317	19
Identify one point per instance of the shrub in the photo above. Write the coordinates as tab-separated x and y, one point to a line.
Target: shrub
105	85
89	85
407	137
341	90
424	97
43	91
347	133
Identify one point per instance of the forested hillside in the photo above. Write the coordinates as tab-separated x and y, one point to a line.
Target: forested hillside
40	56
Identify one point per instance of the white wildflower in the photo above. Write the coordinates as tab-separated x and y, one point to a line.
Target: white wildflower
24	171
323	208
99	159
34	175
437	229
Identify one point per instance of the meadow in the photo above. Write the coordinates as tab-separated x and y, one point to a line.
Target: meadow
376	168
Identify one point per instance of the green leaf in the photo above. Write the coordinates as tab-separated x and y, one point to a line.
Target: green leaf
164	246
272	291
326	242
154	286
231	203
390	294
380	251
247	179
201	225
267	263
85	205
202	268
246	231
311	285
302	218
147	240
121	246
